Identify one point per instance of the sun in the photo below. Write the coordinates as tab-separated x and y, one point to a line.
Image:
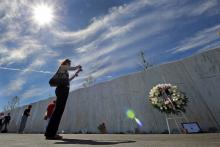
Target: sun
43	14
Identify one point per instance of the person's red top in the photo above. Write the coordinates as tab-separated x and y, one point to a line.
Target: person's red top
50	109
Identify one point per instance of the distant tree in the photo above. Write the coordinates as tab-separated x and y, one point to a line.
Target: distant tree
89	81
12	104
144	62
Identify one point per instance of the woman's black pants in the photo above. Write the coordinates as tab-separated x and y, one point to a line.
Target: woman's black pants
53	125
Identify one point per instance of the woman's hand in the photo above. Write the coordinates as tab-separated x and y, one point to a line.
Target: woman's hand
73	68
79	66
76	74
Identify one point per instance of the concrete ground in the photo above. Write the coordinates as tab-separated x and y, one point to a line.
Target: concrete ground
108	140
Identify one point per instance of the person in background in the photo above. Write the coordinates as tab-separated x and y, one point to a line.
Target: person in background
25	115
1	120
62	92
50	108
7	119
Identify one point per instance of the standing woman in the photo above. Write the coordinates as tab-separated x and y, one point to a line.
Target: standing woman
24	118
62	92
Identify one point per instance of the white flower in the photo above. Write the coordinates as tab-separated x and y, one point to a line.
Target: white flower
166	102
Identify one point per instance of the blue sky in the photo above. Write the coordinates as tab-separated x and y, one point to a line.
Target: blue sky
104	36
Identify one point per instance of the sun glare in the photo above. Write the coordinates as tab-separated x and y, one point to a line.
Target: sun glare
43	14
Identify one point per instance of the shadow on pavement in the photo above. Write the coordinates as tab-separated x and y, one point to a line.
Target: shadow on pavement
91	142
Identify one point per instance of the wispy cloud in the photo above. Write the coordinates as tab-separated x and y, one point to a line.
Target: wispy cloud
204	7
14	86
17	38
24	47
200	39
116	16
32	92
108	35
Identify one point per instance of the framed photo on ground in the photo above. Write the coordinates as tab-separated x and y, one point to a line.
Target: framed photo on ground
191	127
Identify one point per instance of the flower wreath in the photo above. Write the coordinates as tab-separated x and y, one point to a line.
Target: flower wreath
168	98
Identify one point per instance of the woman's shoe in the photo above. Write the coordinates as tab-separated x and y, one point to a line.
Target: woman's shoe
56	137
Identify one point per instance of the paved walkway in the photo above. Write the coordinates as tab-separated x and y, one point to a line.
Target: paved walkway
109	140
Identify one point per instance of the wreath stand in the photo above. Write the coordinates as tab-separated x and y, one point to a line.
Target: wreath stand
173	116
175	119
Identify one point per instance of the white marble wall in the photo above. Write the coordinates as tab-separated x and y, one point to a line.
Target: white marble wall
197	76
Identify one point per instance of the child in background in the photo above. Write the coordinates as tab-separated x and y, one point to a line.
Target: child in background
50	109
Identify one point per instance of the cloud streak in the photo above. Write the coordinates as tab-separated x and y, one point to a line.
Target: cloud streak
200	39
